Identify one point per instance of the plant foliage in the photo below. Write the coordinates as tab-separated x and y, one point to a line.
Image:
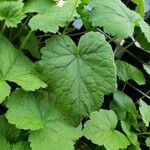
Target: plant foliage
62	88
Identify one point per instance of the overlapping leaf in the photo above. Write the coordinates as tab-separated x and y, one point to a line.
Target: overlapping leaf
28	110
123	104
132	136
145	110
8	131
5	145
50	16
11	12
116	18
78	77
126	72
101	130
15	67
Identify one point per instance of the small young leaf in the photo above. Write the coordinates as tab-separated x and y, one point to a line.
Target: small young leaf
126	72
101	130
145	111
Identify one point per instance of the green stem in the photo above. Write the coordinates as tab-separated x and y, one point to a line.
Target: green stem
144	133
146	94
124	86
25	40
124	48
74	7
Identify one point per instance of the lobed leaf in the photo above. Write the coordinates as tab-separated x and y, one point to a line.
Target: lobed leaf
49	129
101	130
15	67
78	77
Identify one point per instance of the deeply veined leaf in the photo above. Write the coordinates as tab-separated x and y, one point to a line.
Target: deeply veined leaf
28	110
11	12
8	131
117	19
78	77
126	72
50	16
15	67
114	16
140	7
125	104
101	130
145	111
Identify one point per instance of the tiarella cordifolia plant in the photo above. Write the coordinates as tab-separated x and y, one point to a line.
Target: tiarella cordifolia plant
61	88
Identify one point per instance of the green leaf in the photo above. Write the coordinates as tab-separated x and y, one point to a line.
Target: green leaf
140	7
145	111
23	110
32	46
50	16
4	145
117	19
101	130
145	28
15	67
147	68
78	77
4	90
125	104
132	136
126	72
20	146
148	142
11	12
142	40
8	131
114	16
28	110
